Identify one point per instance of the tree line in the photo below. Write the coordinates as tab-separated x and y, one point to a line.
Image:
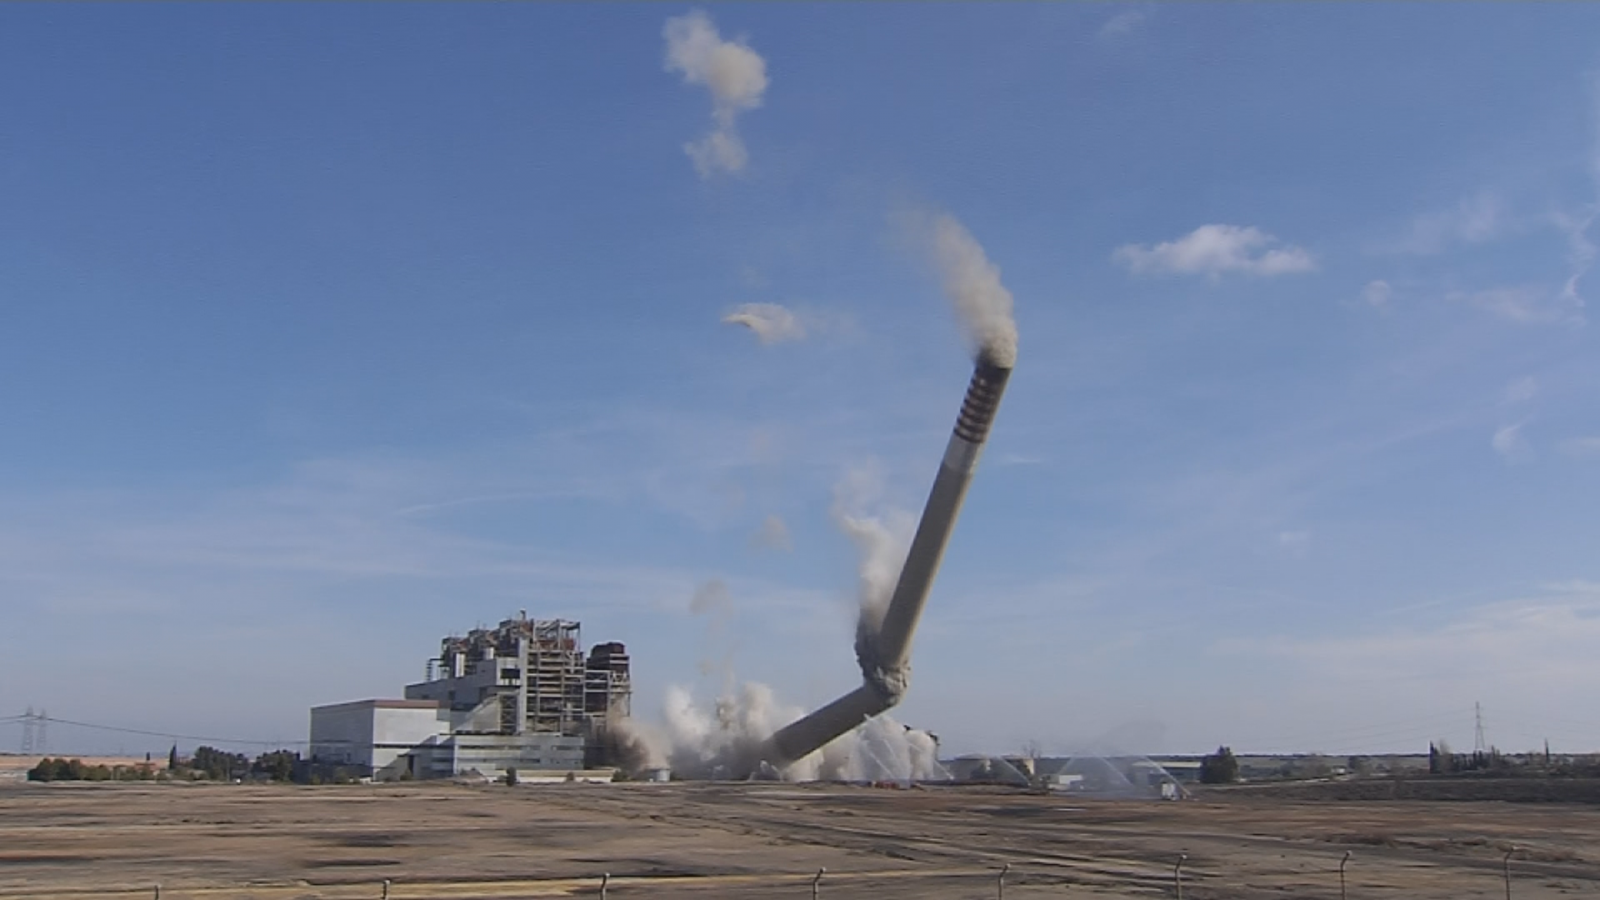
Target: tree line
207	764
50	769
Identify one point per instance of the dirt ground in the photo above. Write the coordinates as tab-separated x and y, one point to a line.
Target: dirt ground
77	841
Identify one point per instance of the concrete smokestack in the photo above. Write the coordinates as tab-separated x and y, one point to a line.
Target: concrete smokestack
885	654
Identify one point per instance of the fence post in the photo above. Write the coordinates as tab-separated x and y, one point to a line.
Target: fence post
1341	873
817	881
1177	874
605	881
1506	865
386	889
1001	885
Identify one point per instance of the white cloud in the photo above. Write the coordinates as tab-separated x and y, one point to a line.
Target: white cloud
1217	249
772	323
1526	304
1509	443
735	75
1581	446
1377	294
1123	23
1475	220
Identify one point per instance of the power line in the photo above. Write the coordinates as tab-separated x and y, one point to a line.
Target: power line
41	717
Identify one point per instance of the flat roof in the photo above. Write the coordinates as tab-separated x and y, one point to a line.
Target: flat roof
382	704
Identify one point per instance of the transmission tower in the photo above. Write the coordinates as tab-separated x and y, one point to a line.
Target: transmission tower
41	736
1479	746
27	732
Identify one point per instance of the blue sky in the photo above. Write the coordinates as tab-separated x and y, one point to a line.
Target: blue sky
328	330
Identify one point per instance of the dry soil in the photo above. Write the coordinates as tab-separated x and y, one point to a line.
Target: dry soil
78	841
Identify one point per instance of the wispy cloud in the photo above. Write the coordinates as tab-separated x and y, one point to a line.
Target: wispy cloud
1506	653
735	75
1216	250
771	323
1510	443
1581	249
342	542
1581	446
1475	220
1520	391
1483	218
1123	23
1525	304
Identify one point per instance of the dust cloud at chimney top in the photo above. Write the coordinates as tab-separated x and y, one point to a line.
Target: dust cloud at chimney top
885	629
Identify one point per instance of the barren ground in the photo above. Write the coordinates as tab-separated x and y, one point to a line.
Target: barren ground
78	841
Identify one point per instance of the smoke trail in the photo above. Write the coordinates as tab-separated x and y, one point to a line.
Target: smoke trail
973	284
736	76
771	323
709	597
882	538
713	601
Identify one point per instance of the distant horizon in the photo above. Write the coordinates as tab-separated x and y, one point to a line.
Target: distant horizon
187	744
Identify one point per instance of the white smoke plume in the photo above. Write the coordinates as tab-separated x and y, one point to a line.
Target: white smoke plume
735	75
724	738
724	741
882	537
881	543
973	284
772	324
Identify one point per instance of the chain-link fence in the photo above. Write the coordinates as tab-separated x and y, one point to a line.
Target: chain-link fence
1015	881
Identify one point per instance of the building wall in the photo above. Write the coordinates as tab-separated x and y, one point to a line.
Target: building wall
492	754
342	733
397	732
377	736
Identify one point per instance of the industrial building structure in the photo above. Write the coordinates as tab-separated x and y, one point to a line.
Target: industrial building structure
522	696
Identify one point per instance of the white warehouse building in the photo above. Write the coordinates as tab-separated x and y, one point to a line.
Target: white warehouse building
392	739
376	736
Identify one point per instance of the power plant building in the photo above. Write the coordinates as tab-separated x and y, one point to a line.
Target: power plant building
522	695
376	736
